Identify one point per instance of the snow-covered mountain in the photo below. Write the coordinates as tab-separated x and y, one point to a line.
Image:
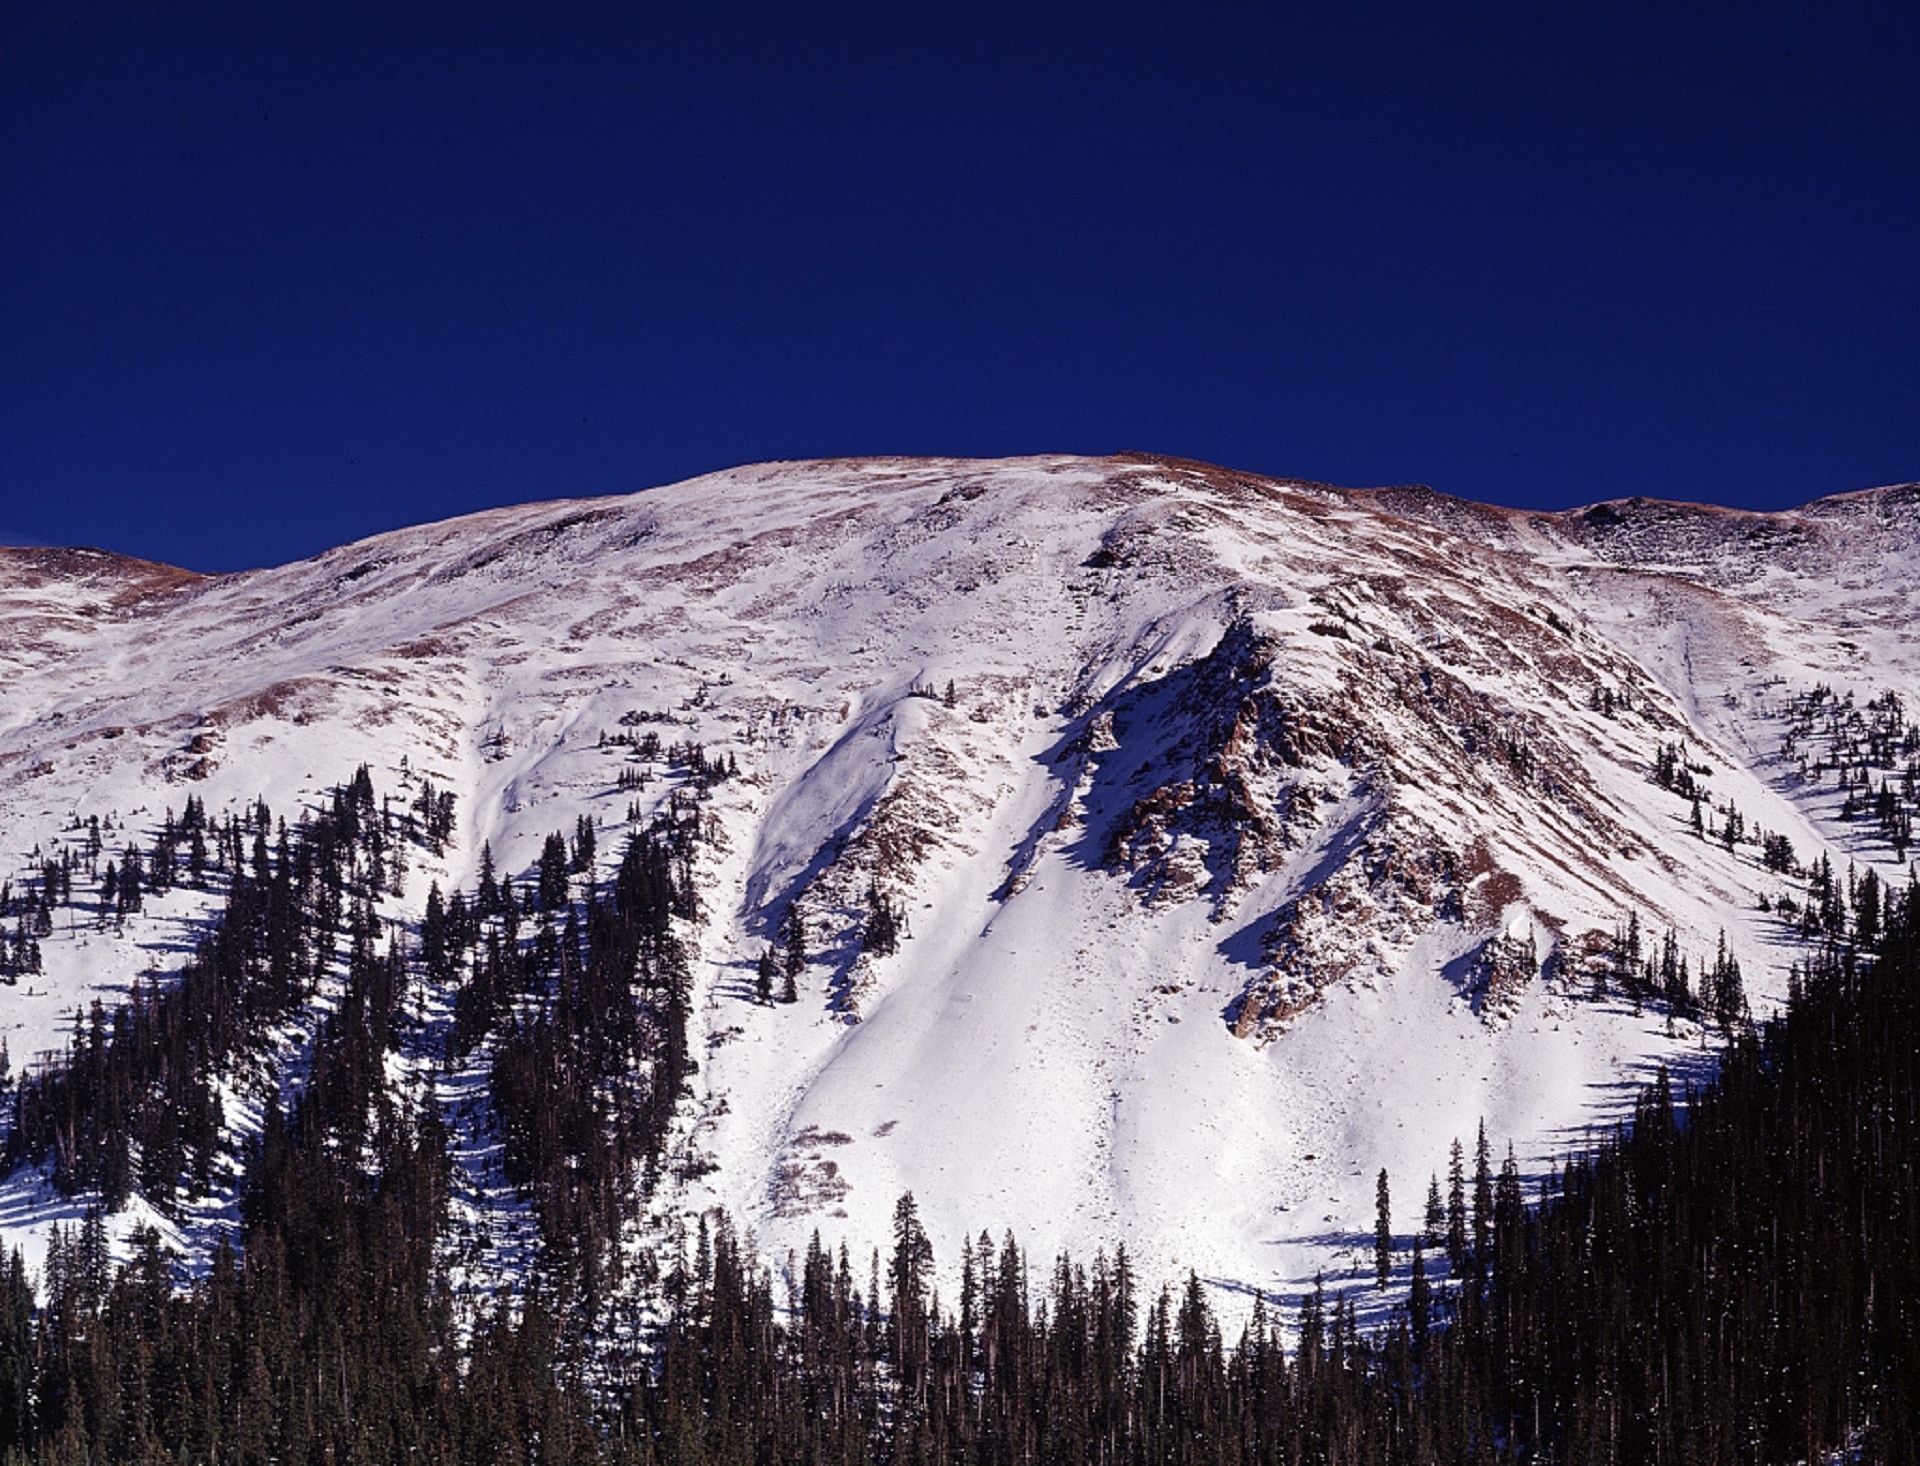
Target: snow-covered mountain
1249	836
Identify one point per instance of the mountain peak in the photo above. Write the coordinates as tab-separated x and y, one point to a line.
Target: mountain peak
1164	841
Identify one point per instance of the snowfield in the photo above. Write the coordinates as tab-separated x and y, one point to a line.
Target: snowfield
1251	835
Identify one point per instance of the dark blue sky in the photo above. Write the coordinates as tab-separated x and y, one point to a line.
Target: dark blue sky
271	281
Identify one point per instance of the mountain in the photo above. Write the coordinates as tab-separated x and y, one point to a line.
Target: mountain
1173	848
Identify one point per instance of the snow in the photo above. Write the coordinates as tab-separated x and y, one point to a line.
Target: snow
1052	1051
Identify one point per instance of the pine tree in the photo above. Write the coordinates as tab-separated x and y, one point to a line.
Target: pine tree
1673	985
434	946
487	901
551	891
763	976
794	936
1482	1193
908	1275
1382	1232
1726	992
581	862
1456	1209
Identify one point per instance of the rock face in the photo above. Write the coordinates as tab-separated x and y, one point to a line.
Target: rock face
1235	837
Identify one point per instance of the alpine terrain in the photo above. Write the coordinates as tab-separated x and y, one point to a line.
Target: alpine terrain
1121	852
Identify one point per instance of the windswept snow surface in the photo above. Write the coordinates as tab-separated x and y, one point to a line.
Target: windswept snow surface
1269	835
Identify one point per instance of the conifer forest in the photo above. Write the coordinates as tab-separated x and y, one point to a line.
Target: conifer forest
1732	1277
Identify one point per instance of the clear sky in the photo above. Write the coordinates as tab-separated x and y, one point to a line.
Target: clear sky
277	276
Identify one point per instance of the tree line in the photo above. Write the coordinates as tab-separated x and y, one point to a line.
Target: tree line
1731	1277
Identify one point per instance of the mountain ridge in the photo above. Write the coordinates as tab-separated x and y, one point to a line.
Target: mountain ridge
1269	829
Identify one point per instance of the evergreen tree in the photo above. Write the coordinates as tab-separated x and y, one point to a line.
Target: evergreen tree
1382	1232
1482	1194
487	899
1456	1209
794	938
763	976
551	891
1726	991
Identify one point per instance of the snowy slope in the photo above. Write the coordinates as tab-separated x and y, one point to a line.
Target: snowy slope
1268	836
